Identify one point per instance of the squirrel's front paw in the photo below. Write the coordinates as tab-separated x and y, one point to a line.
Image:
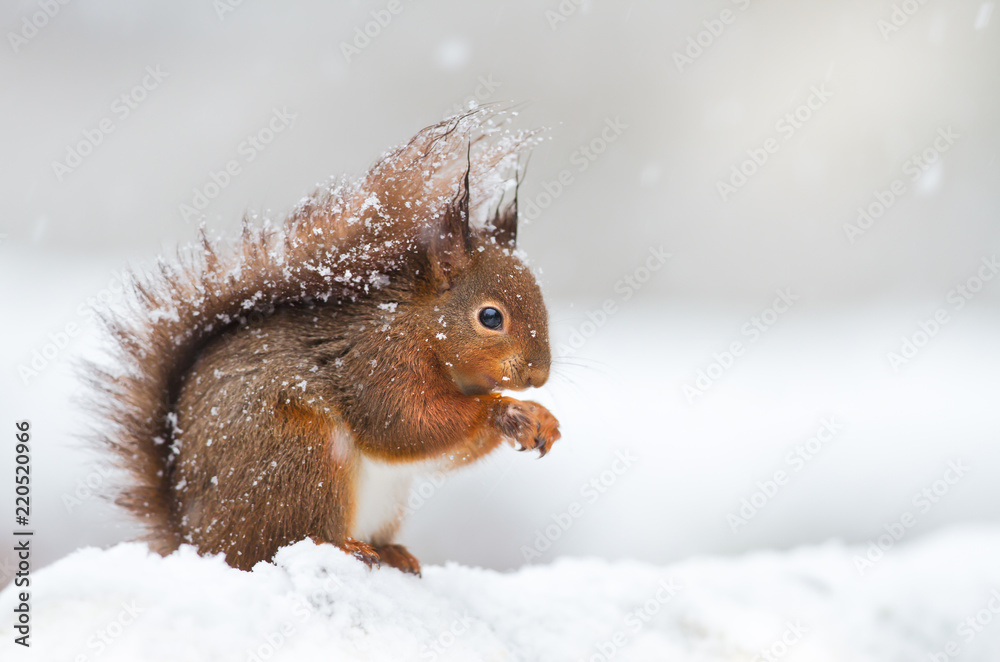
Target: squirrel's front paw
530	425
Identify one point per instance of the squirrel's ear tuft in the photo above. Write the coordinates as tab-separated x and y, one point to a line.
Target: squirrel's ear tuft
503	225
451	239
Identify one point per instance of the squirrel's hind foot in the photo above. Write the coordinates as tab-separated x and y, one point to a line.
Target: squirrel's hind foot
397	556
362	551
374	556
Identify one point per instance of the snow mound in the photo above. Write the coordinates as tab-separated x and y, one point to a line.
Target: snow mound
315	602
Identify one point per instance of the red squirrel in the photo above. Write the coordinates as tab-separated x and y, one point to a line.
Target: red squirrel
292	385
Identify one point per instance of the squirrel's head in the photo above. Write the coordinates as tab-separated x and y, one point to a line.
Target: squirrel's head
484	311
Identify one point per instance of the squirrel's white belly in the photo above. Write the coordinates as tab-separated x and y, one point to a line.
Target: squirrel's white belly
380	497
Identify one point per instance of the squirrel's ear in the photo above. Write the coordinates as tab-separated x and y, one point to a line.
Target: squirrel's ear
451	240
504	222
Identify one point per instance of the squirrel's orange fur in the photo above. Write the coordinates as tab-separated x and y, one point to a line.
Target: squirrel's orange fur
264	392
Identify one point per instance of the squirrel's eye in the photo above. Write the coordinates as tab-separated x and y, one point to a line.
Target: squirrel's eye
491	318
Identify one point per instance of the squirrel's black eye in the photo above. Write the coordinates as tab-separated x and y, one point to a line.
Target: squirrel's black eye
491	318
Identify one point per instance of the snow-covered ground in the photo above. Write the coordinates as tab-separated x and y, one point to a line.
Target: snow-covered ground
938	599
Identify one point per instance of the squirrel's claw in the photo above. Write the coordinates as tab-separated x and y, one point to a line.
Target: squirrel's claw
363	552
518	422
541	443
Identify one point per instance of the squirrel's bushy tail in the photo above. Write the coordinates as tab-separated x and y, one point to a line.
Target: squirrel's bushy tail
337	244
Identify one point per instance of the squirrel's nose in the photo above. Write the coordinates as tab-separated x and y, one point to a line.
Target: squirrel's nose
538	375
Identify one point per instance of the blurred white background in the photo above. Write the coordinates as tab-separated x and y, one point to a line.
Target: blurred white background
889	107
